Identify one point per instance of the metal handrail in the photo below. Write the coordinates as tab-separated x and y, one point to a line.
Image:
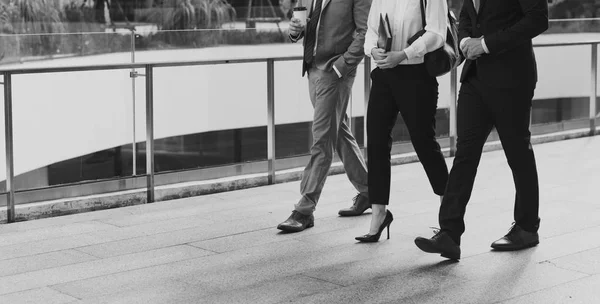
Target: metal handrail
149	66
162	64
141	65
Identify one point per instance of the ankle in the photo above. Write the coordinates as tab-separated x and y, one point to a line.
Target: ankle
378	209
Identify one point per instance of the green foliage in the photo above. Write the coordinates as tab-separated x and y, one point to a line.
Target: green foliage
207	38
190	14
40	19
78	12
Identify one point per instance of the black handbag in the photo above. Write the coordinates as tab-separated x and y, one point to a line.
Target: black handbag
448	56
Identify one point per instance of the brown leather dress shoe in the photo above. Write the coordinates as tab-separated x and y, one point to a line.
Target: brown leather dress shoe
441	243
516	239
361	204
297	222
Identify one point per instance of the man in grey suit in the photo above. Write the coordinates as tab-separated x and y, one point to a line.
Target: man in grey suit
333	47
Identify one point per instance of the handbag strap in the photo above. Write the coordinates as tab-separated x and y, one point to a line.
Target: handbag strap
423	12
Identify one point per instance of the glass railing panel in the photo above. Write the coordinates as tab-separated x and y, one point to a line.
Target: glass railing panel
71	127
2	140
598	89
293	109
65	49
357	107
561	100
210	115
442	117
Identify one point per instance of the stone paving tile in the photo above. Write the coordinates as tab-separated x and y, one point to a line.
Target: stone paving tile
300	260
12	238
480	279
35	296
405	259
175	224
271	234
167	292
497	287
587	261
581	291
69	242
53	276
42	261
392	289
211	269
200	207
54	222
178	237
280	289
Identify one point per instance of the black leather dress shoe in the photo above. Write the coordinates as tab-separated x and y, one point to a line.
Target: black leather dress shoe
516	239
297	222
441	243
361	204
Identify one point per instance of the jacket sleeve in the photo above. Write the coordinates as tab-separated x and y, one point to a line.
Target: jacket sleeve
355	53
533	23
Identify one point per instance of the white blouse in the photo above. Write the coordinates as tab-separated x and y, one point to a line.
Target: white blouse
405	21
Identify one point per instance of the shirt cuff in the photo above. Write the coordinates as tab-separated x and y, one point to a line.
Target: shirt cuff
485	48
337	72
410	52
462	42
294	38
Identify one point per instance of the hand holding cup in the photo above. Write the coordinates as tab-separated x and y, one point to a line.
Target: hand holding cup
298	21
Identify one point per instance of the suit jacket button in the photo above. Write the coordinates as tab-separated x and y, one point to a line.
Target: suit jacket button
478	25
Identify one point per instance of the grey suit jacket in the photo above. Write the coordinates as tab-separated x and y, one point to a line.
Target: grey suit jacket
341	35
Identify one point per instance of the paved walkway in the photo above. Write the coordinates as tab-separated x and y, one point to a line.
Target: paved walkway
224	248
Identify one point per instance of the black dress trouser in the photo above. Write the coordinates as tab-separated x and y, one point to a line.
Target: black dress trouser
480	108
407	89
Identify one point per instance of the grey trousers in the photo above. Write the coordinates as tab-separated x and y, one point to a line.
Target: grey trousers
329	96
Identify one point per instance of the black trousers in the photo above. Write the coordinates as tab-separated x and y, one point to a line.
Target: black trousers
407	89
480	108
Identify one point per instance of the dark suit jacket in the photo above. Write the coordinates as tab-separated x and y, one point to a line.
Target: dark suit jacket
508	26
341	35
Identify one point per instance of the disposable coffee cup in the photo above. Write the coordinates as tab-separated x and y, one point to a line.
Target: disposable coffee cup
300	13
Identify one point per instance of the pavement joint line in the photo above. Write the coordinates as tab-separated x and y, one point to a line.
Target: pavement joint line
206	249
228	235
64	293
82	252
322	280
553	264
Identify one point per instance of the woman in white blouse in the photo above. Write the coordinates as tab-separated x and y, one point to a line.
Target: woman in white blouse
401	84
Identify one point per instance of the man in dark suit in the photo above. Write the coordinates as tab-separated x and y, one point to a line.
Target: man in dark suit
498	83
333	47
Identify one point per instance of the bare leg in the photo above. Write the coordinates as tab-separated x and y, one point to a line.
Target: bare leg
377	217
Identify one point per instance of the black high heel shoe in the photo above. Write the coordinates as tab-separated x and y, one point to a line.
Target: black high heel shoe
371	238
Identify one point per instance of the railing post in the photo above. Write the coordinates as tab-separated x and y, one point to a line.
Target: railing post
453	98
8	130
149	133
133	144
367	81
594	90
271	120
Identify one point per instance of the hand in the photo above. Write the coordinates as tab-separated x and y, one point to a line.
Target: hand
378	54
296	26
391	60
472	48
